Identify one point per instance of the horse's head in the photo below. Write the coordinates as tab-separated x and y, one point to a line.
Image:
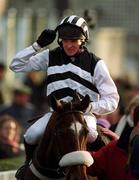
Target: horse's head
70	127
66	133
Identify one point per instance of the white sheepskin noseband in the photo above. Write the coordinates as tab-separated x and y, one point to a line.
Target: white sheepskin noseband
76	158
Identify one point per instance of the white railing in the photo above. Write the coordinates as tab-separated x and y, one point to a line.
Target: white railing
7	175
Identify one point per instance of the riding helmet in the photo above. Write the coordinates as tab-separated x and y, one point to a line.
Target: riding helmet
73	27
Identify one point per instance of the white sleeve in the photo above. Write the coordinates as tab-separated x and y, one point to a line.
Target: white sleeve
109	97
29	60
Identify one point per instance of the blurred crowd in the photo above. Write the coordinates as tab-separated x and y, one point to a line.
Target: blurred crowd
22	103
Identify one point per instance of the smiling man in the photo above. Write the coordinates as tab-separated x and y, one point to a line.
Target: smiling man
70	67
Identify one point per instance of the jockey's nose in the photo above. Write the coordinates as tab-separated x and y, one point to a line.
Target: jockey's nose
69	44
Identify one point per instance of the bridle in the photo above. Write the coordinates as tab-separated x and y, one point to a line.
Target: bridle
58	172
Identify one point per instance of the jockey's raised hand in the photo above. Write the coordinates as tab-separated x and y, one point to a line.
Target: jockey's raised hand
46	37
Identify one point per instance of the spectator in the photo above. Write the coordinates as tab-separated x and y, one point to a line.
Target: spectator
102	121
105	135
10	133
104	129
134	145
112	160
5	88
114	118
33	80
134	161
37	83
126	120
21	108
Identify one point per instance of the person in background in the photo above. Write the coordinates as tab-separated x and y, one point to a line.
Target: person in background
10	134
114	118
2	73
5	87
119	159
104	128
37	83
110	162
133	160
126	120
70	66
21	108
105	135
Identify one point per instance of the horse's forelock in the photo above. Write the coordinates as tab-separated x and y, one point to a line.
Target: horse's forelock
75	104
82	104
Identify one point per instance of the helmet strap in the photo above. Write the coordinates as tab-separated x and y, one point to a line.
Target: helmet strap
82	45
59	42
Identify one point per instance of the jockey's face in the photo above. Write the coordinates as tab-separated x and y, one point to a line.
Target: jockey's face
71	47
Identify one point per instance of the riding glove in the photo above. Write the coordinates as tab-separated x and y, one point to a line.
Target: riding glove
46	37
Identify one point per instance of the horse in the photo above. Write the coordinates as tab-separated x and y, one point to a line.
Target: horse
62	152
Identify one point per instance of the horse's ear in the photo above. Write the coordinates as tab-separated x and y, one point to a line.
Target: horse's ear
85	103
76	97
55	104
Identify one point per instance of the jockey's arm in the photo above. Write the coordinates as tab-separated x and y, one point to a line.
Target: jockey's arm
109	97
28	60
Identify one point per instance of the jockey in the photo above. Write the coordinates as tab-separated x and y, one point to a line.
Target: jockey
69	67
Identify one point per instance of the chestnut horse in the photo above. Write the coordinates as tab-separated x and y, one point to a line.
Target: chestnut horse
61	153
